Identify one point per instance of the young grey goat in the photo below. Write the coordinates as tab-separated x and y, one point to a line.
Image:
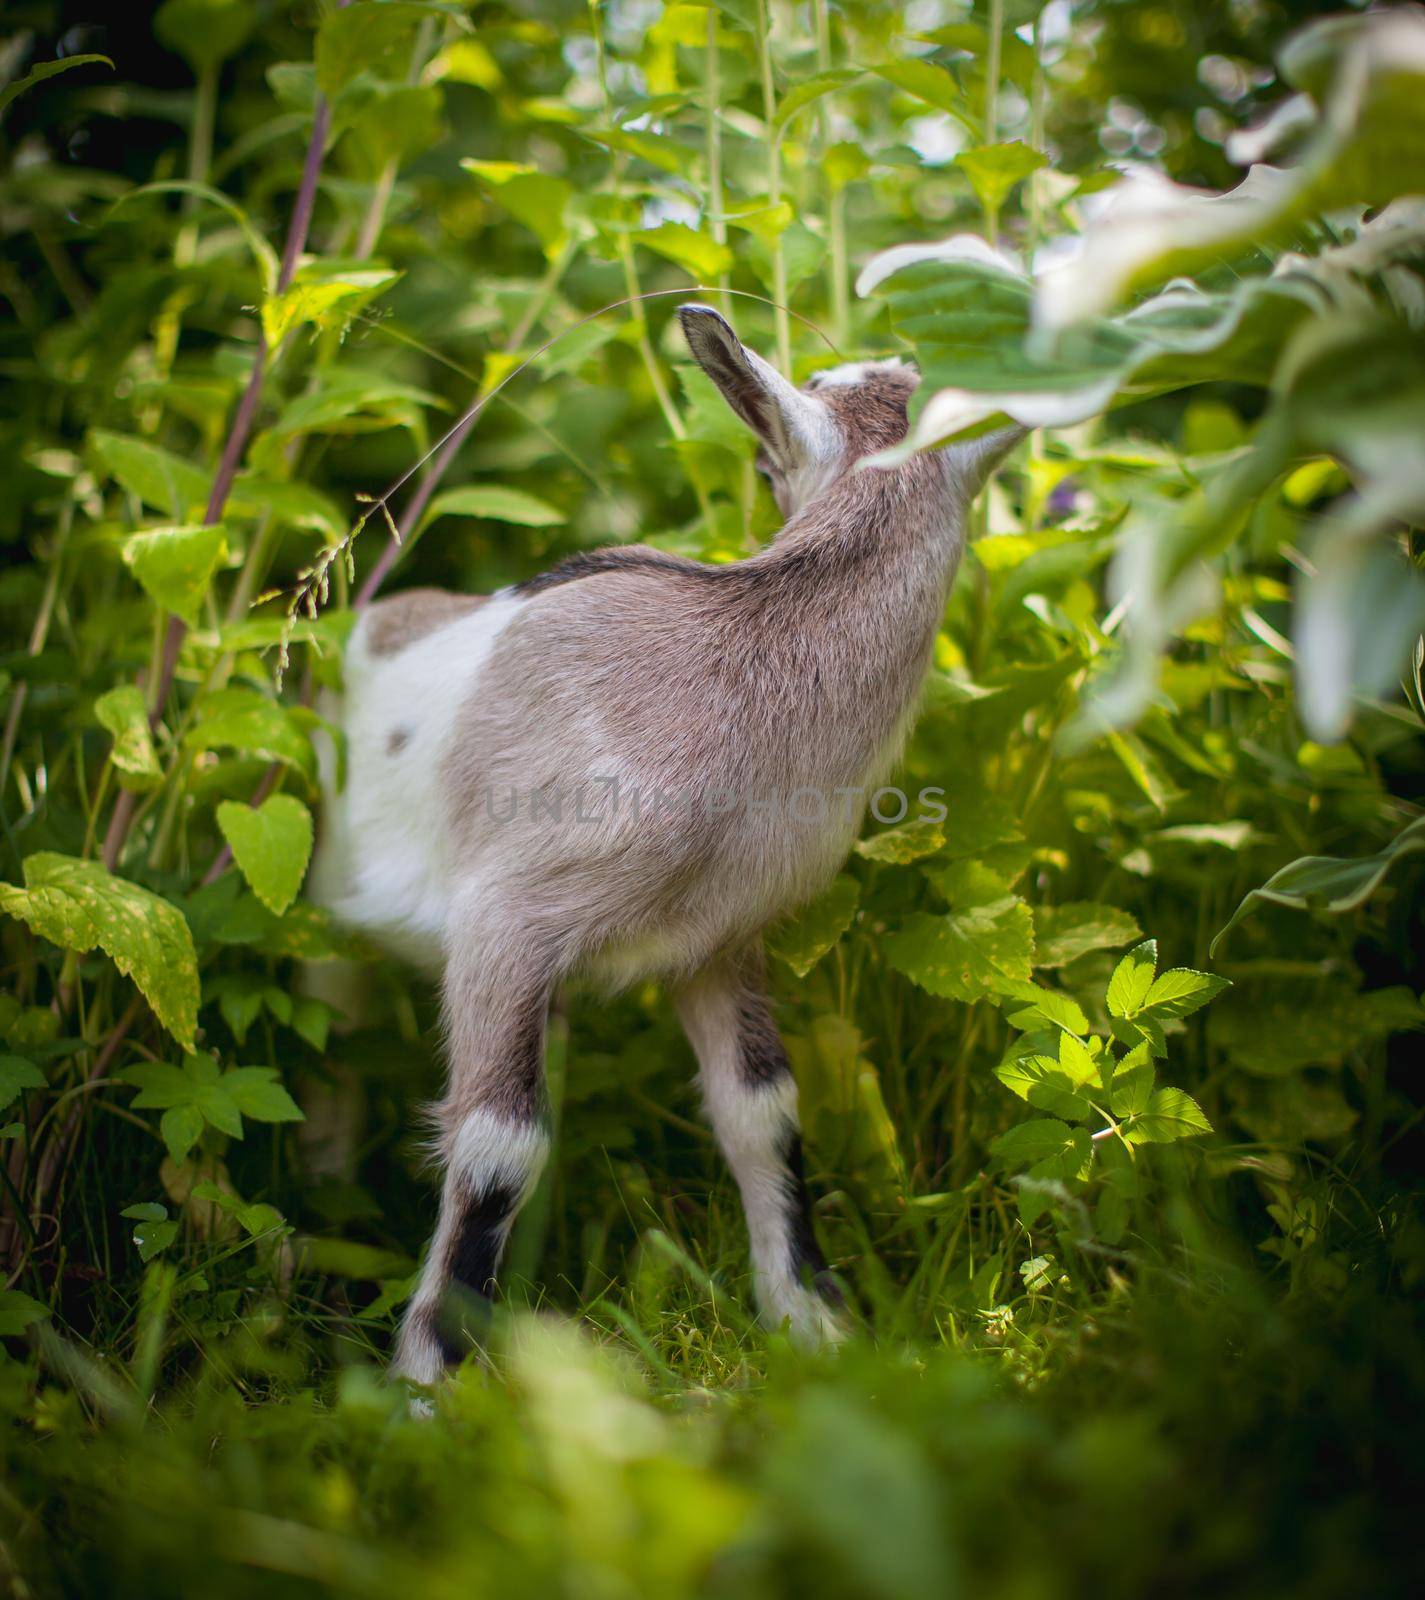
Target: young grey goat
606	770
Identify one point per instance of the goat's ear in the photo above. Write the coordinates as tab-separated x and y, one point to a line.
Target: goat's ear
790	423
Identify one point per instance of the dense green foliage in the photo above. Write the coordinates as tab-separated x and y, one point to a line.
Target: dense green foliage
1104	1077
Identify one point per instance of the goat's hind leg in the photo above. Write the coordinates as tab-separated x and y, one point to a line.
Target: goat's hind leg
751	1099
491	1140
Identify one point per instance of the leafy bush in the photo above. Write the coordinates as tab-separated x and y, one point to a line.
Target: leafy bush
300	298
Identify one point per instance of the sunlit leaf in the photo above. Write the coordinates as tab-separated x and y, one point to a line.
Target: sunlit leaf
80	906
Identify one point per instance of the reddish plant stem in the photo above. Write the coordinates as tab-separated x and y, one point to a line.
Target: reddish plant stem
411	516
233	449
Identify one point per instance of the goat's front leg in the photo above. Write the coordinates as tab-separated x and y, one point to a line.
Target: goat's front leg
751	1099
491	1140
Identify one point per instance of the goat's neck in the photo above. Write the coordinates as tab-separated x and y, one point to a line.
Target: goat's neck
877	551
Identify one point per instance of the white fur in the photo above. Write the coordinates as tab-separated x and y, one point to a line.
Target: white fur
852	372
491	1152
400	893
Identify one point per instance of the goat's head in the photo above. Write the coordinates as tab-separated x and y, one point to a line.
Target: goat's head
809	436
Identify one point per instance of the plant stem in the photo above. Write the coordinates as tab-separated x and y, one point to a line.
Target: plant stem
712	143
415	507
232	453
774	187
837	275
992	71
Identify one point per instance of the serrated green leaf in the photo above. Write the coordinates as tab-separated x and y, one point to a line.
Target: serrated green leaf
965	955
1170	1114
257	1094
1064	933
908	841
1132	978
180	1128
1181	991
18	1311
311	1021
925	81
803	939
78	906
1077	1062
1132	1084
995	169
176	565
1041	1081
16	1074
325	296
1040	1139
272	844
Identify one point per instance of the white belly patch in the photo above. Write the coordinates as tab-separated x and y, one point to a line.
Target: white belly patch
388	869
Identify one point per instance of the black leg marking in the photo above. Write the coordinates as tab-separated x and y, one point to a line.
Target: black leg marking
463	1318
807	1259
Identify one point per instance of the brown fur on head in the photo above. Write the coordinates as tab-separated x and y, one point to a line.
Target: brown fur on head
869	401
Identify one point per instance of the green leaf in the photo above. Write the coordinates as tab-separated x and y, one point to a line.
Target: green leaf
809	90
995	169
803	939
1181	991
204	32
908	841
311	1020
18	1311
1170	1115
16	1074
1077	1061
239	998
1366	148
368	36
242	719
1040	1081
495	503
532	197
697	253
176	565
1132	978
1036	1140
272	844
1047	1009
1131	1085
965	955
152	475
257	1094
46	69
325	296
123	712
927	82
1273	1027
1333	884
1064	933
78	906
668	155
181	1127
